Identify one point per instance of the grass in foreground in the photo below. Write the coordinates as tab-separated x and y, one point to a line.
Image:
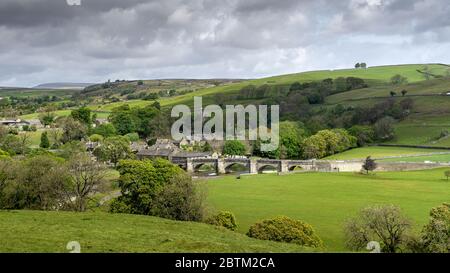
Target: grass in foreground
34	231
326	200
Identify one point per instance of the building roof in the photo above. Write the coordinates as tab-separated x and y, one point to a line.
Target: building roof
166	148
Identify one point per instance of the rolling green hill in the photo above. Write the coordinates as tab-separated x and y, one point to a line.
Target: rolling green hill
34	231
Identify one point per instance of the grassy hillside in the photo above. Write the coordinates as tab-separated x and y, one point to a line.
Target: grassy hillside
33	231
326	200
376	75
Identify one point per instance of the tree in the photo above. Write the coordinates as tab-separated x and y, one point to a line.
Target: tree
86	178
291	137
180	199
140	83
393	94
105	130
45	143
82	115
399	79
436	234
358	65
404	92
314	147
70	148
383	224
363	65
123	120
234	147
39	184
369	165
72	130
113	149
47	117
447	174
384	129
140	183
363	134
132	137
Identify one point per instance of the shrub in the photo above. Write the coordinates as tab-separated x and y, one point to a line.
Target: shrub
284	229
224	219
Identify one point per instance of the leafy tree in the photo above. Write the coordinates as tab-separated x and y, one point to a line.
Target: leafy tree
82	115
234	147
393	94
36	183
363	65
132	137
314	147
140	183
113	149
436	234
341	84
45	143
180	199
296	86
72	130
384	129
47	117
404	92
358	65
369	165
447	174
105	130
399	79
284	229
291	137
363	134
123	120
14	145
383	224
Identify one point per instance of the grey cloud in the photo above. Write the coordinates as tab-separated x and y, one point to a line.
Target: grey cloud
47	40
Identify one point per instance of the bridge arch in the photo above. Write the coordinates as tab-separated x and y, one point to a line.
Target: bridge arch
204	167
268	167
237	167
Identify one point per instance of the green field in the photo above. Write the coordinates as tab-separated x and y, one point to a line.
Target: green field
326	200
63	113
432	158
33	231
380	152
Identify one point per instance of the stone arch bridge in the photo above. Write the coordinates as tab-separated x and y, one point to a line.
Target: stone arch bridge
222	165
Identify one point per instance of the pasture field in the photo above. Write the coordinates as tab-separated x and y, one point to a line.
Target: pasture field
37	231
326	200
379	152
433	158
63	113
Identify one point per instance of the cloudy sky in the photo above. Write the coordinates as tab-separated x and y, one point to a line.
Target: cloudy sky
49	41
